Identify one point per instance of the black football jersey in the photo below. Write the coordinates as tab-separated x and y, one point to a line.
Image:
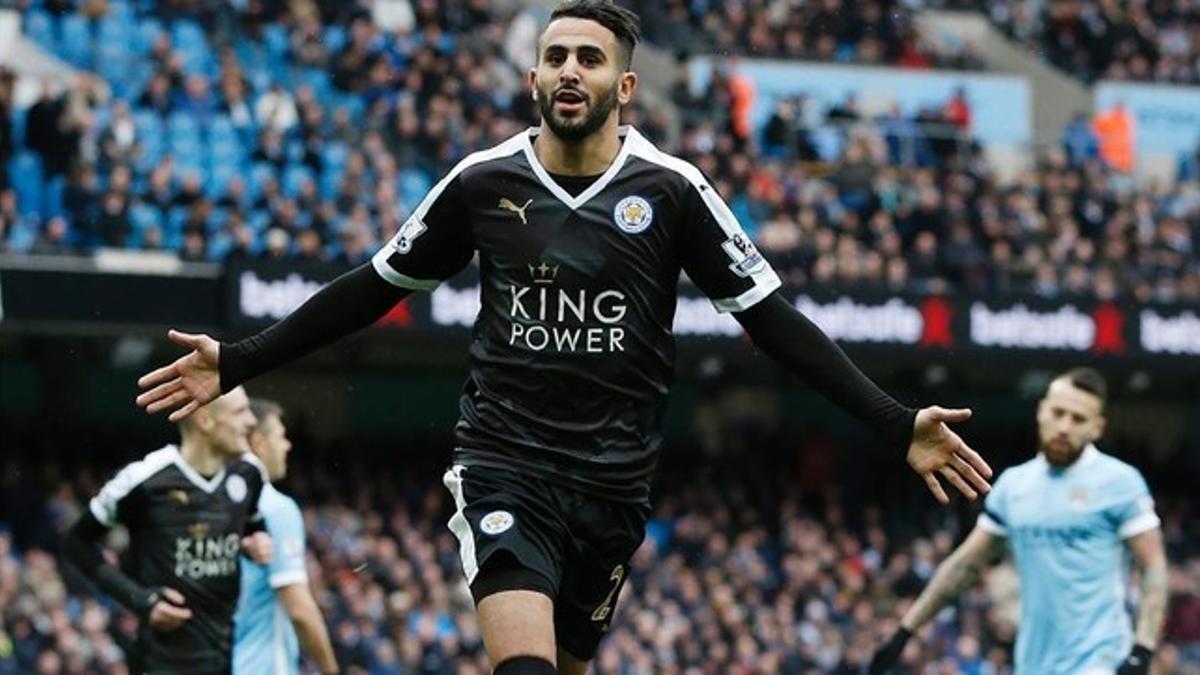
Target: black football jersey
572	352
185	532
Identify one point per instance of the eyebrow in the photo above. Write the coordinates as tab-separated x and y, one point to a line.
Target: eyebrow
584	48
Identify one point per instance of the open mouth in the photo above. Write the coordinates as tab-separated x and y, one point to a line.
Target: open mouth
569	99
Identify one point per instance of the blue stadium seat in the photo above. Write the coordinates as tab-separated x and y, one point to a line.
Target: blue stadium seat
189	39
22	237
148	159
148	31
219	176
226	152
115	64
333	157
75	44
25	173
294	177
277	41
39	26
113	31
335	38
414	183
260	78
319	80
186	33
18	126
147	122
259	220
187	153
52	197
121	10
143	216
260	173
294	150
182	125
220	128
219	247
328	184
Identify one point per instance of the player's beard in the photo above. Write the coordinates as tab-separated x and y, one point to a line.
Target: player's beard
1061	453
574	130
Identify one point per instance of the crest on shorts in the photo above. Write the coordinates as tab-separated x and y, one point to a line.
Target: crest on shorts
235	487
633	214
496	522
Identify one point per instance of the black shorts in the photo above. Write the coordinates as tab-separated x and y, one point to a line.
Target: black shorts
576	546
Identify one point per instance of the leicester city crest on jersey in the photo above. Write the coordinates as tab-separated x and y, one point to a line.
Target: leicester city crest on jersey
235	487
496	522
633	214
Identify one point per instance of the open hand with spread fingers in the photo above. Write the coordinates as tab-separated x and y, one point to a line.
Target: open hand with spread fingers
936	450
188	383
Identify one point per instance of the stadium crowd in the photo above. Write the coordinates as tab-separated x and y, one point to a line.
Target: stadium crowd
1104	39
726	581
858	31
313	140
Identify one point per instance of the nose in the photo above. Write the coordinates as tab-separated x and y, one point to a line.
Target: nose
569	73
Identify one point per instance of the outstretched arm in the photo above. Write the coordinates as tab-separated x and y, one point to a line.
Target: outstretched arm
787	336
351	302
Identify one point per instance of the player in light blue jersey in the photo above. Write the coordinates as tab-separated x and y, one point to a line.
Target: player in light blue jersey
276	611
1073	516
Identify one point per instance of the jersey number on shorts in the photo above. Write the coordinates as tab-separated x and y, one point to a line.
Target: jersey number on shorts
605	608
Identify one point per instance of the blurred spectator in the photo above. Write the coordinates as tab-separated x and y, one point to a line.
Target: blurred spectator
119	140
1115	131
45	133
1079	141
275	110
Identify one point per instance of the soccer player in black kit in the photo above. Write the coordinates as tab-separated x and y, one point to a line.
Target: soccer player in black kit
191	511
582	228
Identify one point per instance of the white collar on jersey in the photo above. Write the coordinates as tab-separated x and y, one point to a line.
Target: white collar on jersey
1090	454
208	485
631	138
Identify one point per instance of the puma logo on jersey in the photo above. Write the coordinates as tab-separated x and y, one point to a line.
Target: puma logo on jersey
508	205
178	496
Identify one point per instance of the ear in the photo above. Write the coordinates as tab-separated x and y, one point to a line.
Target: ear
629	83
531	80
1101	425
204	420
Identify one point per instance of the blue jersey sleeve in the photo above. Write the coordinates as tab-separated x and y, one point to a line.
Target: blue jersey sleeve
994	518
286	526
1132	509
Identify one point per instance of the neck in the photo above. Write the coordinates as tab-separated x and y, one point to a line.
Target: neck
587	157
201	456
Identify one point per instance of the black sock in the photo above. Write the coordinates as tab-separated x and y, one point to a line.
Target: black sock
525	665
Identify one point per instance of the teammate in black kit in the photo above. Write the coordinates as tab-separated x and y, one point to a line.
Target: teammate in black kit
190	511
582	229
